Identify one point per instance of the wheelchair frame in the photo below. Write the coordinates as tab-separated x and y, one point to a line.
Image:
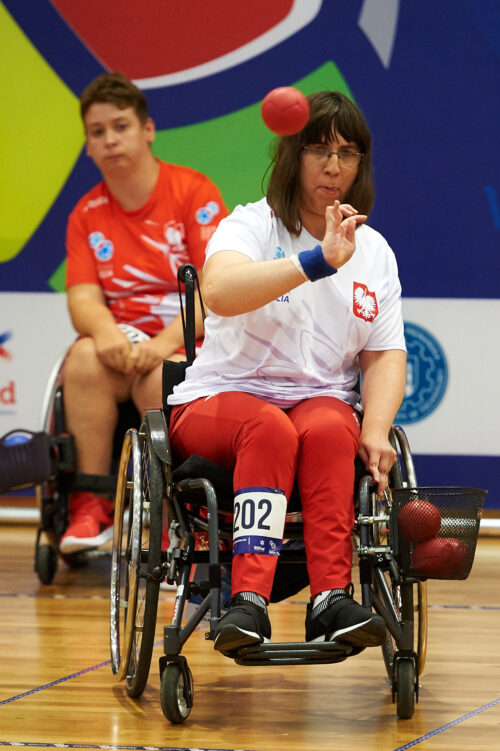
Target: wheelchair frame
53	495
151	489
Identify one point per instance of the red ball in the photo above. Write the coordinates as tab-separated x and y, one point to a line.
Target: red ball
285	110
419	520
441	557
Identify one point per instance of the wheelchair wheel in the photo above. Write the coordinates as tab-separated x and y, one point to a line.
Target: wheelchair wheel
407	602
408	605
419	604
405	688
144	618
45	563
416	593
125	556
176	692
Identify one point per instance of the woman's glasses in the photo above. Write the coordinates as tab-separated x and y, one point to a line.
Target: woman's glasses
323	156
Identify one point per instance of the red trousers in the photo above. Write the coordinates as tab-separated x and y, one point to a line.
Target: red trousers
263	445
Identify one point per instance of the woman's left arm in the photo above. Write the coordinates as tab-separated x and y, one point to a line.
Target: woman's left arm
382	391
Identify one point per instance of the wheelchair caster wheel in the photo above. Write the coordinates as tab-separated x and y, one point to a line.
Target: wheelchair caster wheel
46	563
405	688
176	693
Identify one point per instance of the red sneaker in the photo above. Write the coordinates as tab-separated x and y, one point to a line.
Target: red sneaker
91	523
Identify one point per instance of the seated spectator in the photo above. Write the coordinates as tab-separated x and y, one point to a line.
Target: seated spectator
126	239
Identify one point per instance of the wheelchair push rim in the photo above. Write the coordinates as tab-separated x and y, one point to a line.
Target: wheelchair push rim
125	558
151	571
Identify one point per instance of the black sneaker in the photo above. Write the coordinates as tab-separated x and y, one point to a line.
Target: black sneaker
346	621
243	624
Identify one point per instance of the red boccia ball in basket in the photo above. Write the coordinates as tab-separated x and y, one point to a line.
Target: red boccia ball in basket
419	520
440	557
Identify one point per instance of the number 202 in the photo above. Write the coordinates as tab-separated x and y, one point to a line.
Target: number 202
246	511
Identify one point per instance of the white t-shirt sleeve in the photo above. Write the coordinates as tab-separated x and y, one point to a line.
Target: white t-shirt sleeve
245	230
387	330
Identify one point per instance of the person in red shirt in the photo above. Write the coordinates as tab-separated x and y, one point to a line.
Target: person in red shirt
126	239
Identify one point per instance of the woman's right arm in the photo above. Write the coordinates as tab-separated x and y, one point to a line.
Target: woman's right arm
234	284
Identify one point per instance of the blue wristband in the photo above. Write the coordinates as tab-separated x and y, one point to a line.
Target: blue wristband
314	264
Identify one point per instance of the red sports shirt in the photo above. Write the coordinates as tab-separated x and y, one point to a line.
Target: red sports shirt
134	255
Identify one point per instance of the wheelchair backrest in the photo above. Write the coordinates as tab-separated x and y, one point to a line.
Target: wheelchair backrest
174	372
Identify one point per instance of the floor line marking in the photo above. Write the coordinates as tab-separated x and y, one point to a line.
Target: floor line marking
448	725
54	683
29	744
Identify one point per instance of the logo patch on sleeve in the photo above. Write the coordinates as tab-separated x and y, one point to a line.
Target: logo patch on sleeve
364	302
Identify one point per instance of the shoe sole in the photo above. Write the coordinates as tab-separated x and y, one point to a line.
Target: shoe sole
78	544
231	638
366	634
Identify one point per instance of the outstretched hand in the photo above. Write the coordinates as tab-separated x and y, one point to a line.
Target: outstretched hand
339	241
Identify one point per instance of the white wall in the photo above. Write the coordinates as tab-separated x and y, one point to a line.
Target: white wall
40	330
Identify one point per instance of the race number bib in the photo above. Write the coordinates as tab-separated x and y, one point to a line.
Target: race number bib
259	520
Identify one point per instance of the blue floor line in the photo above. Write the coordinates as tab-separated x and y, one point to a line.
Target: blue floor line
449	725
115	748
54	683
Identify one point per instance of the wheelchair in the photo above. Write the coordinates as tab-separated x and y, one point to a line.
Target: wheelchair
53	493
198	495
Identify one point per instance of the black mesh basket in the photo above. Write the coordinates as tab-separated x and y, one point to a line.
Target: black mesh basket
23	465
434	530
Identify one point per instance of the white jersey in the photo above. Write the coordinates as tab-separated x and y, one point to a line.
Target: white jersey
306	343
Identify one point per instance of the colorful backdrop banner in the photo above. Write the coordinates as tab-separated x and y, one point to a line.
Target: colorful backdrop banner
426	76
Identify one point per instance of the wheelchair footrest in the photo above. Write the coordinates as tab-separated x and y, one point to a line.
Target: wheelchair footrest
292	653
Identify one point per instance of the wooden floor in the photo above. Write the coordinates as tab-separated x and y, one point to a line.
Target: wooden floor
57	688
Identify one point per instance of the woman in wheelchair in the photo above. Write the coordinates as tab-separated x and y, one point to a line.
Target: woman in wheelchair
303	298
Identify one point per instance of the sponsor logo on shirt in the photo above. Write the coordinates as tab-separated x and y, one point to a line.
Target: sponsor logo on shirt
280	253
207	213
364	302
175	234
94	203
174	246
103	248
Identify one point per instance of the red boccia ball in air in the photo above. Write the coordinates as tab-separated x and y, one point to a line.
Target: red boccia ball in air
418	520
285	110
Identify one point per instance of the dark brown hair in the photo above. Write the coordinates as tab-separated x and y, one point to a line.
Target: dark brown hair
114	88
331	114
